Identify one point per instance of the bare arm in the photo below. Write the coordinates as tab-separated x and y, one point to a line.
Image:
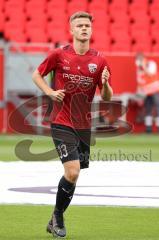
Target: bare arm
106	91
41	83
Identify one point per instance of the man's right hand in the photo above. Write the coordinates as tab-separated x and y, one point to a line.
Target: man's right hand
57	95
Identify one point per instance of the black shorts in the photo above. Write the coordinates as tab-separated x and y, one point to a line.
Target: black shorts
72	144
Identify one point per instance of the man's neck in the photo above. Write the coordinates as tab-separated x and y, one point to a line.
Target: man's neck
81	47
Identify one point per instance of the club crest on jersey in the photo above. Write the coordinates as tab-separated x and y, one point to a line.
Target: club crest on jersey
92	67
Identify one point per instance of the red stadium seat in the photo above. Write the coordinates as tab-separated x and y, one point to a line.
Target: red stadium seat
57	35
37	35
101	46
98	5
1	5
56	7
15	1
155	48
100	40
37	6
16	22
120	38
155	25
139	16
140	26
15	16
154	6
136	6
155	34
98	24
56	24
99	29
1	21
35	13
141	2
58	16
120	46
121	18
101	36
117	28
120	34
40	20
56	4
16	36
117	6
98	15
11	4
155	2
118	2
141	47
141	41
75	6
140	35
154	15
13	7
13	24
35	23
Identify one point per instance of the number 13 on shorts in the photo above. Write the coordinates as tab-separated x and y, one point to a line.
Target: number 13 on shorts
62	150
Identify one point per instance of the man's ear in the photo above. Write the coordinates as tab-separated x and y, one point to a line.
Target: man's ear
71	31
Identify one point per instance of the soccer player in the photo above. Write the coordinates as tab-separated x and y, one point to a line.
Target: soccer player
78	70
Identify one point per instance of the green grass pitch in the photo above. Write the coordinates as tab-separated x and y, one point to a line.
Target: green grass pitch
26	222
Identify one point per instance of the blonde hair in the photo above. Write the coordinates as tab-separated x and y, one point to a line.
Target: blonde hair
81	15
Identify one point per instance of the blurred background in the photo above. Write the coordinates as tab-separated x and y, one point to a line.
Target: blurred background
29	29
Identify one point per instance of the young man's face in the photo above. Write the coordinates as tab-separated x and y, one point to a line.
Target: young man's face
81	29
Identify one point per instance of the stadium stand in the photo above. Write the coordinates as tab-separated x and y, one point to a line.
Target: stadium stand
74	6
47	21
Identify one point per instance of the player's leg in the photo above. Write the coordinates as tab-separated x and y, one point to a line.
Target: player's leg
67	185
67	149
64	196
72	170
149	103
66	188
156	100
68	181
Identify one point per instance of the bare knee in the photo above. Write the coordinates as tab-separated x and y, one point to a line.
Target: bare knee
72	175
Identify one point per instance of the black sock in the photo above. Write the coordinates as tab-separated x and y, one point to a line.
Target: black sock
70	196
64	195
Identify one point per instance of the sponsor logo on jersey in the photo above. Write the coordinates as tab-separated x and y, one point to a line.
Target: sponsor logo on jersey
92	67
75	77
77	81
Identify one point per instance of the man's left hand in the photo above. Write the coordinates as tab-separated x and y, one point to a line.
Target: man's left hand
105	75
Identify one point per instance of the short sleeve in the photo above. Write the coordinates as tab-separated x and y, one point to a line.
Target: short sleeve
103	64
49	63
